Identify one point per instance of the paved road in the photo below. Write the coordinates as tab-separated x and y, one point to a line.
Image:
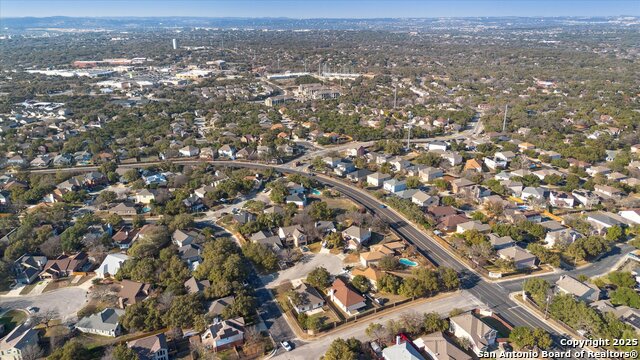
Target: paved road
66	301
313	350
603	266
309	261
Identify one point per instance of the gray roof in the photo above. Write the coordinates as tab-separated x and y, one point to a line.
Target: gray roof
404	351
106	320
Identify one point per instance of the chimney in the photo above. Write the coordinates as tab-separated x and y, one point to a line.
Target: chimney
398	340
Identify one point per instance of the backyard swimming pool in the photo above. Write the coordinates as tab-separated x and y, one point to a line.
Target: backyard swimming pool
407	262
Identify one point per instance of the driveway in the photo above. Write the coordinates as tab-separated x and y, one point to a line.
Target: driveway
314	350
309	261
66	301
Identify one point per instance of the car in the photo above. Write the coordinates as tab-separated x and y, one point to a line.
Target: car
32	309
382	206
286	345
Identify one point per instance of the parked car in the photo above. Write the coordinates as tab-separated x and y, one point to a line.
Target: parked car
286	345
32	309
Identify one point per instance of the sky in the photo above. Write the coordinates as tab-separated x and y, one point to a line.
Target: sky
317	8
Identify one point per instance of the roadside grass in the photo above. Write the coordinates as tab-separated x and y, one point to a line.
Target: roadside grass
27	289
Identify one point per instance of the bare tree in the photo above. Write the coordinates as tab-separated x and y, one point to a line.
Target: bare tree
45	317
32	352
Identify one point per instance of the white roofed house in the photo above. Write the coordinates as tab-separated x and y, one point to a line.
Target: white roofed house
534	193
394	185
377	179
608	192
227	151
480	335
632	215
189	151
111	265
581	291
356	236
601	221
561	199
423	199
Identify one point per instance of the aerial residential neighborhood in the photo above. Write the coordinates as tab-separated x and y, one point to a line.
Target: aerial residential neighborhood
300	186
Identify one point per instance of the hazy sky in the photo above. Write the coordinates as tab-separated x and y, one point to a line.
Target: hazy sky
318	9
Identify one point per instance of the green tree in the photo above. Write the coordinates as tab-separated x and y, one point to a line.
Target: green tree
184	311
389	263
261	255
626	296
320	211
361	283
411	288
341	349
622	279
144	316
319	278
449	279
537	289
72	350
114	220
615	233
122	352
413	182
432	323
389	283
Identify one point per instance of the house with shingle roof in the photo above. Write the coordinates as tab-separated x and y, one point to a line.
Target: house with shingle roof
307	299
439	347
347	299
104	323
468	326
17	341
224	334
152	347
578	289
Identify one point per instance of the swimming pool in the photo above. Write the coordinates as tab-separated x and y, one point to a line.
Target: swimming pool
316	192
407	262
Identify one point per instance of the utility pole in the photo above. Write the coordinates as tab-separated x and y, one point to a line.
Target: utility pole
504	121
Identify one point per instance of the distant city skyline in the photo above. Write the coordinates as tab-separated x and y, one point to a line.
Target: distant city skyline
317	9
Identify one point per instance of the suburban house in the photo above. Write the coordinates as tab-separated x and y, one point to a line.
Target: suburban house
124	237
578	289
358	175
182	238
473	225
480	335
307	299
601	220
218	306
123	209
268	239
450	223
28	267
458	184
190	254
292	235
111	265
224	334
423	199
227	151
632	215
346	298
521	258
377	179
144	196
104	323
439	347
195	286
401	350
533	193
300	200
394	185
132	292
356	236
189	151
17	341
429	174
64	266
152	347
562	199
500	242
608	192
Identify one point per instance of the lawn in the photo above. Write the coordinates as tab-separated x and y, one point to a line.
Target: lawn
11	319
27	289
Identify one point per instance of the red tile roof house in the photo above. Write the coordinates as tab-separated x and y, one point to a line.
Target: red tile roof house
64	265
346	298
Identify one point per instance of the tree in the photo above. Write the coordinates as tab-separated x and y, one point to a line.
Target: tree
626	296
72	350
261	255
120	352
449	279
334	240
278	192
131	175
184	311
320	211
615	233
411	288
432	323
361	283
389	283
413	182
525	337
622	279
375	331
537	289
106	197
114	220
6	275
341	349
145	316
428	279
319	278
138	221
389	263
31	352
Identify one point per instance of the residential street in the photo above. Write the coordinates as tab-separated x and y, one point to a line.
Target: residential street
313	350
66	301
310	261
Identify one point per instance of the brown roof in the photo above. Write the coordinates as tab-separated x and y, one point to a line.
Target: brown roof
146	347
344	294
132	291
452	221
369	273
65	263
440	211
